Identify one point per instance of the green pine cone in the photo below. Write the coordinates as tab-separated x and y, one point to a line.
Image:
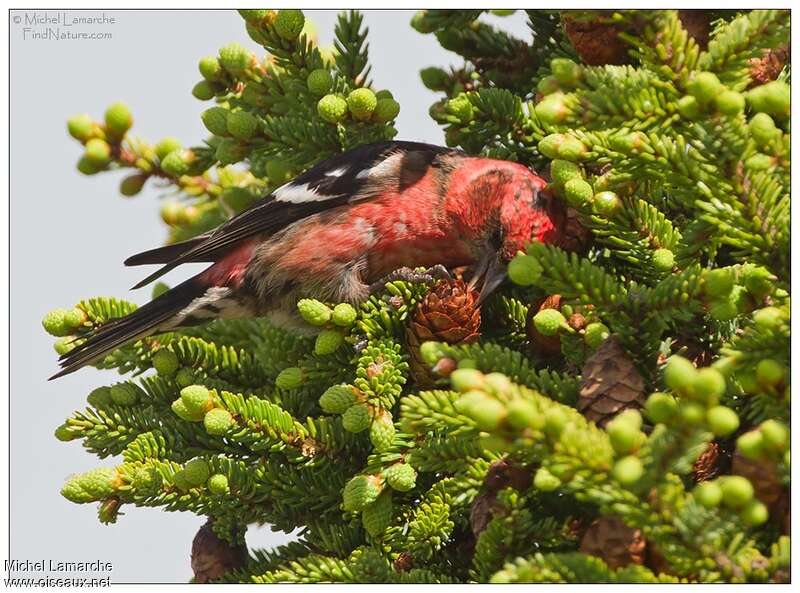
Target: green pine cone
218	484
204	90
165	362
98	152
54	323
708	494
215	120
386	110
328	341
705	87
524	270
210	68
361	103
595	334
175	163
663	260
218	421
166	146
235	58
400	476
81	127
773	98
729	103
737	491
628	470
197	399
549	322
361	491
319	82
314	312
578	192
679	374
118	119
100	397
289	378
337	399
196	471
241	124
96	484
356	418
607	204
552	109
562	171
377	516
344	315
289	23
332	108
461	108
125	394
722	421
182	412
763	130
381	432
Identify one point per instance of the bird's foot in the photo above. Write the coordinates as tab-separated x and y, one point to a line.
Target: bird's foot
432	274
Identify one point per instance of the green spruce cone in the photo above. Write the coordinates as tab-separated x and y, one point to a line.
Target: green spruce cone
235	59
96	484
204	90
118	119
196	471
218	421
98	152
241	124
595	334
218	484
180	410
549	322
578	192
736	491
545	481
216	120
314	312
361	103
197	399
332	108
661	407
386	110
337	399
319	82
165	362
377	516
125	394
356	418
400	476
166	146
81	127
344	315
708	494
705	87
289	23
361	491
175	163
328	341
563	171
524	270
663	260
210	68
381	432
54	323
289	378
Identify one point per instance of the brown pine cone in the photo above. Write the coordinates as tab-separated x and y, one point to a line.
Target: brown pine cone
213	557
614	542
706	467
596	40
610	385
767	68
596	37
449	313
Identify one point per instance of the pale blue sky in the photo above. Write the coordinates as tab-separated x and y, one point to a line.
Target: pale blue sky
70	234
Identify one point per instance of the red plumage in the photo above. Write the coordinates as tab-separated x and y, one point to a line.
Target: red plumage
340	227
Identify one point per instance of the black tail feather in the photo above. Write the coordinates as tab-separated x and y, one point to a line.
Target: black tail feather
164	254
117	332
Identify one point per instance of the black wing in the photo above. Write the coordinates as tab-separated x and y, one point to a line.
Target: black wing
353	175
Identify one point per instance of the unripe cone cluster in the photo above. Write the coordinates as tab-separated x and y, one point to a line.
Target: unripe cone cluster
362	104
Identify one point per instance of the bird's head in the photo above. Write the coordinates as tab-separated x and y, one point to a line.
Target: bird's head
528	213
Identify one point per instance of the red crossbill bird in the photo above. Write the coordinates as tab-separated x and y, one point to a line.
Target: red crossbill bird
335	231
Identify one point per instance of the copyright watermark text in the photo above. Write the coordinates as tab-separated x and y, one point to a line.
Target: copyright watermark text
79	25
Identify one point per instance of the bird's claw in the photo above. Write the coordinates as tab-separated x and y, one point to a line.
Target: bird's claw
406	274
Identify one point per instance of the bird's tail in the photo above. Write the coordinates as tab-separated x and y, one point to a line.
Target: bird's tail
158	314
